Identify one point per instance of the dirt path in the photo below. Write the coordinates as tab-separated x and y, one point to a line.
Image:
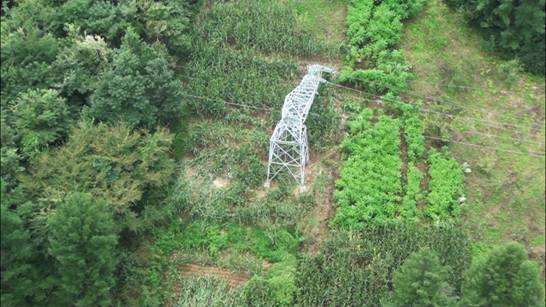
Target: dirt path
234	279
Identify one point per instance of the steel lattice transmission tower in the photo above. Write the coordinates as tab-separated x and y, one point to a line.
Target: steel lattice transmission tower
288	147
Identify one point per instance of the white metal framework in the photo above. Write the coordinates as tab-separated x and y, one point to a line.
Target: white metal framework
288	148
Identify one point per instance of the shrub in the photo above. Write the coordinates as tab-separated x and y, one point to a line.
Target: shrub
42	118
374	30
446	186
140	88
276	288
83	240
123	167
421	281
505	276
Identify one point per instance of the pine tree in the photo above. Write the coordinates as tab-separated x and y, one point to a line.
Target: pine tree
82	239
17	272
504	277
422	281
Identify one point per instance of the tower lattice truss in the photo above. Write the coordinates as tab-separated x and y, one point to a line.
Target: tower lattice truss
288	147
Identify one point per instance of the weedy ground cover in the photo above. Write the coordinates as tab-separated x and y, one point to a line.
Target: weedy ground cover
492	103
249	53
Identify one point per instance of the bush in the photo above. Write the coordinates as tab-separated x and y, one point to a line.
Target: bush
41	118
374	30
140	88
414	130
422	281
114	163
83	240
276	288
505	277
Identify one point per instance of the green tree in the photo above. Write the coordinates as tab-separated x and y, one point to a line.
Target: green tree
83	240
504	277
17	279
122	166
422	281
41	117
80	66
140	88
26	56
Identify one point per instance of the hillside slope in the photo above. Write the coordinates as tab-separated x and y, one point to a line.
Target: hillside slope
494	115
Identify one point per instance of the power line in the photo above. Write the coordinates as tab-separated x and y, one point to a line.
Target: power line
530	153
477	132
491	123
444	101
449	85
536	154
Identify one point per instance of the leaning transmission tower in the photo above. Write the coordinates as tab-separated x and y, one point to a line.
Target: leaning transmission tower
288	147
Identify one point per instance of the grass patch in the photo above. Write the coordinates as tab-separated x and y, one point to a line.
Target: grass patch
486	95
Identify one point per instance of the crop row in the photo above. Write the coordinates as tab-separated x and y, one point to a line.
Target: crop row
374	30
370	184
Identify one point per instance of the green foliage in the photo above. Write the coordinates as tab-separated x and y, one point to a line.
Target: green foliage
421	281
514	27
273	244
370	181
41	118
83	240
26	57
140	87
374	30
80	66
505	276
414	130
165	21
18	274
266	26
276	288
10	166
446	185
409	208
358	267
236	76
112	163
